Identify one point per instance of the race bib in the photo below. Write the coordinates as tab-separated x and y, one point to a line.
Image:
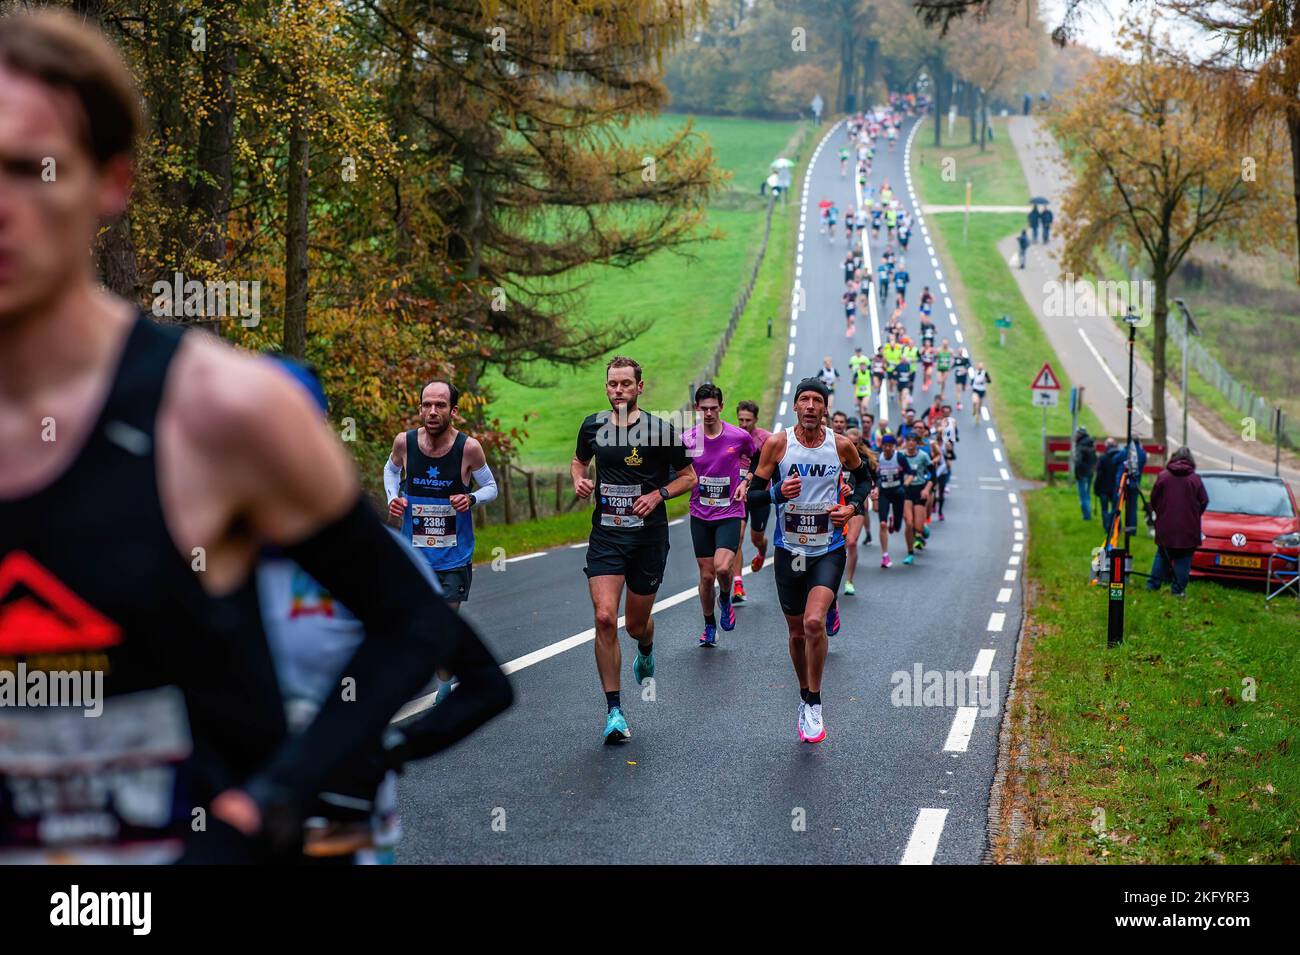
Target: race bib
616	505
104	789
433	525
715	491
808	524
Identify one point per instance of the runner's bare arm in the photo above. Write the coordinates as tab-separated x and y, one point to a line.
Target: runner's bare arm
582	485
274	468
393	477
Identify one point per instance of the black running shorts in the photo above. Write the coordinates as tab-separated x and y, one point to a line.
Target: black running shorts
758	515
455	583
793	587
639	557
709	537
890	503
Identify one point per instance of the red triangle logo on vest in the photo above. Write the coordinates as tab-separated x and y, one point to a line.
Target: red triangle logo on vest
39	614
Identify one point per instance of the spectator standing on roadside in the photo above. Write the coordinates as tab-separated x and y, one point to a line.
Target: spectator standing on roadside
1179	500
1085	463
1104	484
1023	242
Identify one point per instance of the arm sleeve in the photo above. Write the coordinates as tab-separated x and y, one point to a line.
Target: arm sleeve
487	485
409	631
392	479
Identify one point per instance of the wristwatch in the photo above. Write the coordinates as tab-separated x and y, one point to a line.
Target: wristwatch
663	492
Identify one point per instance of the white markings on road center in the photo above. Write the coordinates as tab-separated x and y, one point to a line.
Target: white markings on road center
924	841
996	620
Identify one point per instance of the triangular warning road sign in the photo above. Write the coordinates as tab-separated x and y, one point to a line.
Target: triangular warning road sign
1046	380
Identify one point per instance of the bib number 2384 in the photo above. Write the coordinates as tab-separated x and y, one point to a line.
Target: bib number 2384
433	525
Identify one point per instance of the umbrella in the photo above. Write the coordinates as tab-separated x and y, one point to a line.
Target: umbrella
1039	201
782	163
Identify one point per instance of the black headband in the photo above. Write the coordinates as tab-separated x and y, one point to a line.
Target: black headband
812	384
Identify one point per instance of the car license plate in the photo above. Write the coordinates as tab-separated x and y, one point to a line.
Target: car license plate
1232	560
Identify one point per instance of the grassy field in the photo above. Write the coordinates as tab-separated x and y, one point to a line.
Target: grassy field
689	300
995	174
1154	752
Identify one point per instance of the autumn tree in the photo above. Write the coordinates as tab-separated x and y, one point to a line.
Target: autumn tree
1156	176
996	51
1256	75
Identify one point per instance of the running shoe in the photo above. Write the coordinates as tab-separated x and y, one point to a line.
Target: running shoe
444	691
726	615
941	517
813	730
709	638
616	728
832	621
848	588
738	592
643	667
925	530
799	724
920	544
756	564
907	559
885	562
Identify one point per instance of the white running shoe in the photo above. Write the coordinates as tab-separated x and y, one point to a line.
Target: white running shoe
813	729
799	724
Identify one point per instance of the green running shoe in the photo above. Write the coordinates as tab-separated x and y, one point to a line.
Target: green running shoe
616	729
643	666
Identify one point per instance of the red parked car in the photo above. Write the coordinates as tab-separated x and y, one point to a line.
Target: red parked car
1249	517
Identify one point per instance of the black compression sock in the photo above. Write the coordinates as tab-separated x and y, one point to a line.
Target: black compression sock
711	620
645	651
803	693
814	697
612	700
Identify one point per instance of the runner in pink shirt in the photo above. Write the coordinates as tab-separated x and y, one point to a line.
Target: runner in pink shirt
721	454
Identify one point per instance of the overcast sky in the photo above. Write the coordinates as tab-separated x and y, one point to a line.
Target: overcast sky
1099	20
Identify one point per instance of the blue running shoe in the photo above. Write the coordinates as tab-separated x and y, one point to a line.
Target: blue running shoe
616	729
444	691
709	638
727	617
832	621
643	667
925	531
907	559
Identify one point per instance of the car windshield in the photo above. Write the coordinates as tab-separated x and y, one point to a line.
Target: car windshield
1247	495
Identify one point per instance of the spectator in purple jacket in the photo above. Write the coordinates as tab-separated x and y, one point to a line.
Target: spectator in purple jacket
1179	500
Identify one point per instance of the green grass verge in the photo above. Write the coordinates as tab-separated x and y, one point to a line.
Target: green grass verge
983	290
689	300
995	174
1157	733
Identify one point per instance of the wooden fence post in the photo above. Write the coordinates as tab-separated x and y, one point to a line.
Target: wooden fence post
505	494
532	495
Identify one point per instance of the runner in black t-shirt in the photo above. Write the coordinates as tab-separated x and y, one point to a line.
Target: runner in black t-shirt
633	451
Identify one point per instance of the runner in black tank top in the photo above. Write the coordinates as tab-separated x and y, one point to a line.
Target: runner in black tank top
89	580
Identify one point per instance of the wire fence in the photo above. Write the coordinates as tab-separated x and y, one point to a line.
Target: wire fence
1247	401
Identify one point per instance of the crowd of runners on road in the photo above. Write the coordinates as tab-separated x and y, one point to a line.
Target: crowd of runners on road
830	478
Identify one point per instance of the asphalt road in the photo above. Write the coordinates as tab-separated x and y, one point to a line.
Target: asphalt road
714	771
